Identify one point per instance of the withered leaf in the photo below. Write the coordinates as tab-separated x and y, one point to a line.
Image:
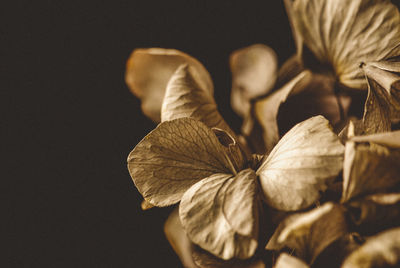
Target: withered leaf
309	233
369	169
287	261
185	97
382	250
382	107
178	239
342	34
254	71
148	71
220	214
176	155
301	165
375	212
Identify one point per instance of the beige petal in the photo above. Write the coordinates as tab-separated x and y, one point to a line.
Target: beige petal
344	33
173	157
369	169
254	72
185	97
388	139
301	165
382	106
178	239
148	71
309	233
287	261
220	214
382	250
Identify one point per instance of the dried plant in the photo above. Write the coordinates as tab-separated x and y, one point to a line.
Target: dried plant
320	188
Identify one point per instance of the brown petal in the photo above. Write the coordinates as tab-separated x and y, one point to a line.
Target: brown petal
309	233
382	107
382	250
173	157
305	96
148	71
375	212
342	34
266	109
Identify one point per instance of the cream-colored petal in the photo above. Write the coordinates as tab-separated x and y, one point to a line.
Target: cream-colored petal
388	139
288	261
301	165
148	71
368	169
345	33
220	214
254	72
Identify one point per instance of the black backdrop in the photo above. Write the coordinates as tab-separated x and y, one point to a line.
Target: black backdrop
70	120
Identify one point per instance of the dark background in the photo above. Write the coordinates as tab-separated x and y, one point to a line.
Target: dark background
70	120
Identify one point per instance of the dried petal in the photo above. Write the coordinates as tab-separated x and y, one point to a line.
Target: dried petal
178	239
388	139
220	214
369	169
287	261
149	70
305	96
382	250
185	97
375	212
266	110
301	165
203	259
173	157
254	71
309	233
382	107
342	34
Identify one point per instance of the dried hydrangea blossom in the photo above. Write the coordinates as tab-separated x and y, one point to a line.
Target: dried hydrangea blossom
195	159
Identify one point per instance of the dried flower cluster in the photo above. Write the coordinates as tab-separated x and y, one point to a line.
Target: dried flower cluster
317	187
